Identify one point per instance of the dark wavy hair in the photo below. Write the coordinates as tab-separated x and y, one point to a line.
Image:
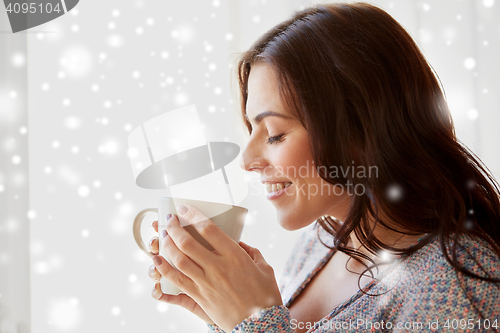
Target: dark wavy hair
366	95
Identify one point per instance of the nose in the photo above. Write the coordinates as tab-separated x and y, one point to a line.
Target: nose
251	157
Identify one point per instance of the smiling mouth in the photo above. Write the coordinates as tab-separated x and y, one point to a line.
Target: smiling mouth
271	188
279	193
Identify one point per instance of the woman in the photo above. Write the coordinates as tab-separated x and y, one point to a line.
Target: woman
407	219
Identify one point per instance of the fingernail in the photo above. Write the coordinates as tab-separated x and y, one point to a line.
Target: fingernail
157	261
155	293
163	233
182	209
152	268
168	217
151	243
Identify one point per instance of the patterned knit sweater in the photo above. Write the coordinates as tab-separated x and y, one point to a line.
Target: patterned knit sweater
420	293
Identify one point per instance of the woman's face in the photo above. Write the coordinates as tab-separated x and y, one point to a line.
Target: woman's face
279	151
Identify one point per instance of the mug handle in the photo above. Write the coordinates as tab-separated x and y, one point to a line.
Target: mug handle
137	229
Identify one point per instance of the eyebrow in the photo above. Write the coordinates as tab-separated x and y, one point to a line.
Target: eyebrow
258	118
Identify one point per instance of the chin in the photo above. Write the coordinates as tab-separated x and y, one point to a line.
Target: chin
291	223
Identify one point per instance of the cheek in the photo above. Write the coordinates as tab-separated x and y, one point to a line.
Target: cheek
293	157
299	166
291	167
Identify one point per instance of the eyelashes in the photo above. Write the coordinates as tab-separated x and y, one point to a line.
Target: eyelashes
275	139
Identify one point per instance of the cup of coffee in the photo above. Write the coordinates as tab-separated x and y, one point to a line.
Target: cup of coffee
227	217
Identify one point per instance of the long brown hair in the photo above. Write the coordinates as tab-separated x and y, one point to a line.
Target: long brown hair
366	95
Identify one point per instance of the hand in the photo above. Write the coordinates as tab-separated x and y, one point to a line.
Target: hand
230	283
182	299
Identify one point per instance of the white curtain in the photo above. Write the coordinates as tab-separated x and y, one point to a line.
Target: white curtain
69	98
14	182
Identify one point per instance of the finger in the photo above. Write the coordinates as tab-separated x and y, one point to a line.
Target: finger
155	225
186	243
187	303
221	242
252	252
156	292
153	245
182	300
153	273
176	277
256	256
181	261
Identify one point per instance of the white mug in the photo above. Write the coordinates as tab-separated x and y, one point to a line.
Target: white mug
227	217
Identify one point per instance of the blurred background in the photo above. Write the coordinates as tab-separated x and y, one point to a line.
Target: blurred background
71	91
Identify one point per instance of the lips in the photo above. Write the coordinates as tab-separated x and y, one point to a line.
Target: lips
273	187
278	193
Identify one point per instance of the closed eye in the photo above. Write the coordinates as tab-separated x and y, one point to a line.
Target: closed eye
275	139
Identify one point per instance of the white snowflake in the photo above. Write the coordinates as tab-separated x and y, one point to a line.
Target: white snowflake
41	267
208	47
469	63
162	307
31	214
72	123
115	41
76	61
394	193
472	114
18	59
83	191
16	159
64	314
488	3
183	34
181	98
